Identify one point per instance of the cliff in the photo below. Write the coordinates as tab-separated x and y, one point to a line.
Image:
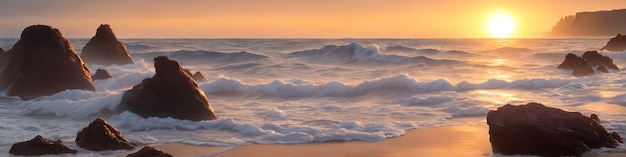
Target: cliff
590	24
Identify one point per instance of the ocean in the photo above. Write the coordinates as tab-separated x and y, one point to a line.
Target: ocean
297	91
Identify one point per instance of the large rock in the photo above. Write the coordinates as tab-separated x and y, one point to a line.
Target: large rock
593	58
616	44
105	49
170	93
3	59
576	63
100	135
148	151
596	24
101	74
41	63
534	129
40	146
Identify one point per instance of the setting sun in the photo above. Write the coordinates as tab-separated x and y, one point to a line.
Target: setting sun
501	26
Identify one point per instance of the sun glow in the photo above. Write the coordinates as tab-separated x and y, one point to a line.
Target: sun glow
501	26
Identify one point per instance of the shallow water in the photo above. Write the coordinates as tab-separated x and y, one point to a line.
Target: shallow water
317	90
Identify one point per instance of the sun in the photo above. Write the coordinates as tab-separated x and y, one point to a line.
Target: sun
501	26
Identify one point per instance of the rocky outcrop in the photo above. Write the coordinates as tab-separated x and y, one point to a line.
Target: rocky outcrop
534	129
3	59
616	44
593	58
599	23
43	62
101	74
148	151
576	63
105	49
169	93
40	146
100	135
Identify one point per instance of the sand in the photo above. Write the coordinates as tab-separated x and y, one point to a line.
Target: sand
449	141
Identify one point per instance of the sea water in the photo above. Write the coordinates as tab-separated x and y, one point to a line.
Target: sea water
287	91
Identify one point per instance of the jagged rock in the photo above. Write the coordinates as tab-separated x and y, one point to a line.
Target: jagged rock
148	151
41	63
603	69
576	63
593	58
598	23
105	49
199	77
101	74
3	59
40	146
170	93
100	135
616	44
534	129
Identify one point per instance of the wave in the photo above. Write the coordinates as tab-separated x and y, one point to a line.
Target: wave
355	52
511	49
201	55
400	83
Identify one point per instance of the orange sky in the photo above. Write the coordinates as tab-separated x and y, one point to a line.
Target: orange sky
291	18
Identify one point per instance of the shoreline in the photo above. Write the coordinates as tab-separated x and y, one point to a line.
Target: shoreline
445	141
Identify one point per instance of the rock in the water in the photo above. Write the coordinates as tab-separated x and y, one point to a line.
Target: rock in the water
40	146
534	129
100	135
199	77
105	49
41	63
593	58
616	44
148	151
3	59
603	69
170	93
101	74
576	63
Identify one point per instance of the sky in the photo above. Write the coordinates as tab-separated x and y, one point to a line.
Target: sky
291	18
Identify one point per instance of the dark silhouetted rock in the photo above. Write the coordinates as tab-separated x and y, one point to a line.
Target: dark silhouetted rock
101	74
170	93
593	58
534	129
603	69
40	146
148	151
100	135
576	63
41	63
3	59
199	77
105	49
616	44
599	23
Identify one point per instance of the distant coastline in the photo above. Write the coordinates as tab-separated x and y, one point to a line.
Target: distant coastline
590	24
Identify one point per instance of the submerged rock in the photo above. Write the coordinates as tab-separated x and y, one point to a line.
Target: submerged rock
169	93
105	49
101	74
534	129
593	58
41	63
576	63
616	44
603	69
40	146
148	151
100	135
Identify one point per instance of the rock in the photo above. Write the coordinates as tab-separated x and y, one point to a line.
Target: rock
590	24
616	44
576	63
101	74
170	93
593	58
105	49
603	69
3	59
40	146
41	63
199	77
534	129
148	151
100	135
